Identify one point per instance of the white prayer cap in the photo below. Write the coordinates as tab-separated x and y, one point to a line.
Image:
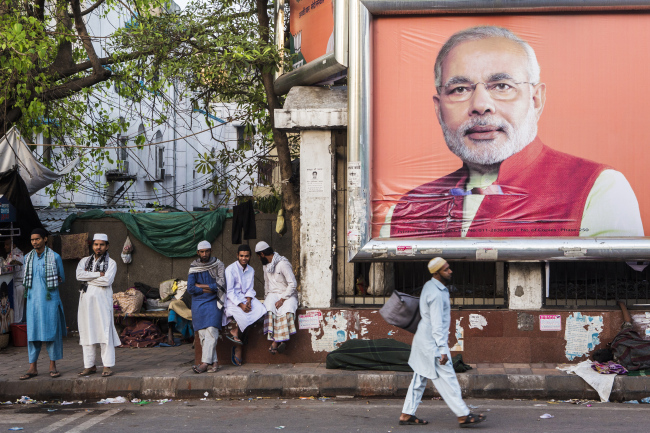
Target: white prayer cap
436	264
204	245
100	237
261	246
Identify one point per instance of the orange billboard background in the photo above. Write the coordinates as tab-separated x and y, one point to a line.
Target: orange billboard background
595	68
315	19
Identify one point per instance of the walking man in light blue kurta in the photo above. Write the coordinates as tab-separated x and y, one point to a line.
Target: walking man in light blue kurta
430	355
43	272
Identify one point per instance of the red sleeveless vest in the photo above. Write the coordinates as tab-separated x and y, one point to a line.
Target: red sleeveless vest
538	192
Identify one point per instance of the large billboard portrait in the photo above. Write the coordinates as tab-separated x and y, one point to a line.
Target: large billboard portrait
510	126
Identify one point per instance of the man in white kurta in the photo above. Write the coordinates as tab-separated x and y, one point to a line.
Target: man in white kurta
241	304
280	297
95	314
430	356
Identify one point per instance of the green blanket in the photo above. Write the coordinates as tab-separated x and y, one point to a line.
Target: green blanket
384	354
174	234
639	373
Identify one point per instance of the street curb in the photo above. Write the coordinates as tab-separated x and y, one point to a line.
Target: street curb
337	383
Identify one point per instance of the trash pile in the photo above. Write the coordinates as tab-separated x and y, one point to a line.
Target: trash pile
643	400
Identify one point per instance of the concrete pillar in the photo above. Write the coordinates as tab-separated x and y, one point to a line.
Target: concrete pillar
315	112
525	285
316	219
381	279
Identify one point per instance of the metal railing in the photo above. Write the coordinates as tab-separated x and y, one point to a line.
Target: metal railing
474	284
596	284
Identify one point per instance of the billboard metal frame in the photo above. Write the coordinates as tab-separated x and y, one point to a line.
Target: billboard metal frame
323	67
361	247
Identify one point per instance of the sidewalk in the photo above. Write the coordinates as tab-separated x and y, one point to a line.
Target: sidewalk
161	372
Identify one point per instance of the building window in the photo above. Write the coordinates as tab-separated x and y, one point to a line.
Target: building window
244	138
122	151
265	172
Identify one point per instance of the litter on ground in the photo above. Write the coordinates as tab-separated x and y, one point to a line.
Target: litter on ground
112	400
25	400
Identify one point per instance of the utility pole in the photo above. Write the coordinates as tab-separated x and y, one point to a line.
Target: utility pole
174	160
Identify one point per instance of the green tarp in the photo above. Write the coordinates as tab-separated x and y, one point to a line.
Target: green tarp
383	354
174	234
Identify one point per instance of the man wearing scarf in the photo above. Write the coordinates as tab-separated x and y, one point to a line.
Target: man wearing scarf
206	283
95	315
43	272
241	305
280	297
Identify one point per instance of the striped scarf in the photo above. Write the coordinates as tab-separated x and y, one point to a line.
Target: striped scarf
101	265
277	258
212	267
51	273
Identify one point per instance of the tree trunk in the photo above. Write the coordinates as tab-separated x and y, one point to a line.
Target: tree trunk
290	200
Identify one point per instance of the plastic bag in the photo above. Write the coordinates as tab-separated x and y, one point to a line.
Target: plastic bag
127	250
280	224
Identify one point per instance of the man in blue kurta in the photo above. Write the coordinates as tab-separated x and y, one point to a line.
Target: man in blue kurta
206	283
43	271
430	356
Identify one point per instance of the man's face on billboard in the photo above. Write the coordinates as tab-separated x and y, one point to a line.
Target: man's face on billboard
485	129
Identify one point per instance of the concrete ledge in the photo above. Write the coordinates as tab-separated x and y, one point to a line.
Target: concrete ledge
195	386
231	383
295	120
159	387
313	108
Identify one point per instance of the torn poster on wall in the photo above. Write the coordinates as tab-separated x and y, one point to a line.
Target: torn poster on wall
642	324
335	329
459	346
582	334
477	321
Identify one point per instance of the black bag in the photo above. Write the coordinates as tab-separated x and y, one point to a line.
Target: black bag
402	310
148	291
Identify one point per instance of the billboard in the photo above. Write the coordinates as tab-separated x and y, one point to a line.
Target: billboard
318	41
311	24
526	125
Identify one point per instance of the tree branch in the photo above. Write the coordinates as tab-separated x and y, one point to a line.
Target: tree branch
85	39
92	8
80	67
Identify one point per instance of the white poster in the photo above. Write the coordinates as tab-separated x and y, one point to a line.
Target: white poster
550	322
354	174
311	320
315	181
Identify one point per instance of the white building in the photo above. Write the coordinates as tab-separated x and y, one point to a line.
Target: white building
163	172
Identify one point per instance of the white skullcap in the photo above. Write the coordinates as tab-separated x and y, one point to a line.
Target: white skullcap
436	264
100	237
261	246
204	245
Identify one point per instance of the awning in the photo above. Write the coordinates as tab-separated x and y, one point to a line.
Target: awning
15	152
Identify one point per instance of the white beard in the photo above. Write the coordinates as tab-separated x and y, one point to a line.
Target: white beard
488	152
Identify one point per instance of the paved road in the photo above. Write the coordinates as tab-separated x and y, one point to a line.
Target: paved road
333	415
